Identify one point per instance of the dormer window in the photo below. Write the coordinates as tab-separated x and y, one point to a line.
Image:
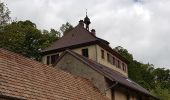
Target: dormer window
85	52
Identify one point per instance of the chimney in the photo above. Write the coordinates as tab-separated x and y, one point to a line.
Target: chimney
93	32
81	23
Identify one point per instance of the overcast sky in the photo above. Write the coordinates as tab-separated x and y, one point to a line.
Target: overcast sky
140	26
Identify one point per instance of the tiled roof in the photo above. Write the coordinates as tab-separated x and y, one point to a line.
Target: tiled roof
79	37
24	78
109	73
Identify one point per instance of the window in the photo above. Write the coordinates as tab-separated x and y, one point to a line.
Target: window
102	54
118	63
139	98
108	57
48	60
52	59
113	58
85	52
127	97
123	66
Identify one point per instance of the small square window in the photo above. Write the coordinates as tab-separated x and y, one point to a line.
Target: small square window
85	52
54	58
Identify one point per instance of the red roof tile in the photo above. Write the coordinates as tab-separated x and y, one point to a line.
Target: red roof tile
24	78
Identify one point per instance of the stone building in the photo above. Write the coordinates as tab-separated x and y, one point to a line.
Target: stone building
81	53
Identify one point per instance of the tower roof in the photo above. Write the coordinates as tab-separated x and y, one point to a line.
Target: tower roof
79	37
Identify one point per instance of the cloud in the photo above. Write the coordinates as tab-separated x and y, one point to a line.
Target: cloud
141	26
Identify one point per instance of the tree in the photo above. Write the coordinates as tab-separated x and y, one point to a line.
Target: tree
162	77
155	80
4	14
49	37
137	71
65	28
24	38
162	94
124	53
21	37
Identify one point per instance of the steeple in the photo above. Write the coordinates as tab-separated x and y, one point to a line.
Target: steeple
87	21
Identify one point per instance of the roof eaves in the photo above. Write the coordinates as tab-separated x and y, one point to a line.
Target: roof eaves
69	47
10	98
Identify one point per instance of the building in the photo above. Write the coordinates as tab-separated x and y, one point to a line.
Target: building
24	79
81	53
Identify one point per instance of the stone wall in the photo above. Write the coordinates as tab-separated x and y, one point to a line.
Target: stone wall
76	67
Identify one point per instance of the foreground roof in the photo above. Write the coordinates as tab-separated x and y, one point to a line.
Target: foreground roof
109	73
22	78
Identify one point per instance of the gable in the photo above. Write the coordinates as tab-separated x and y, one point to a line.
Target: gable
76	67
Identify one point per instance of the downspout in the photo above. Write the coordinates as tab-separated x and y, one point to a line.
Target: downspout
112	86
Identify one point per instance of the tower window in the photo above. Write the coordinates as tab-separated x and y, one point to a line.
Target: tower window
52	59
108	57
113	58
85	52
123	66
118	63
102	54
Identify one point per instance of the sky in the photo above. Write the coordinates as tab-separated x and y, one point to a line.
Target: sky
140	26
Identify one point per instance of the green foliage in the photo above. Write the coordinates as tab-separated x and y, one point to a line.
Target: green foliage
23	37
163	94
162	77
124	53
49	37
65	28
4	14
153	79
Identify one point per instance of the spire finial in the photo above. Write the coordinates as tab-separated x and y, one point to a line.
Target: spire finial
87	21
86	12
